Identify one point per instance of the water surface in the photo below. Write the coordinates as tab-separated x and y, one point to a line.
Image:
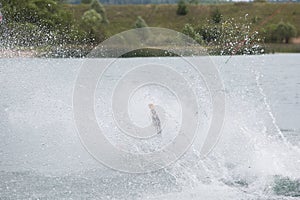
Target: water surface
257	157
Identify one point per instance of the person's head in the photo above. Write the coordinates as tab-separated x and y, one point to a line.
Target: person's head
151	106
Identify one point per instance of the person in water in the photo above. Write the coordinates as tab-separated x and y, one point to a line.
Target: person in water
155	119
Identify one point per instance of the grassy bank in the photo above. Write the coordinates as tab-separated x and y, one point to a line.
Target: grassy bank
122	17
282	48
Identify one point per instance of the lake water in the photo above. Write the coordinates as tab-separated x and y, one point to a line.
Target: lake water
257	155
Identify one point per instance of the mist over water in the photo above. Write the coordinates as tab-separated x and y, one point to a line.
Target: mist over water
40	150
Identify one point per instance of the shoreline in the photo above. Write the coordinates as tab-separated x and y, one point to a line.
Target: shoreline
271	48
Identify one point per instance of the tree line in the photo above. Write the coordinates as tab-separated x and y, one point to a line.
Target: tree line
46	23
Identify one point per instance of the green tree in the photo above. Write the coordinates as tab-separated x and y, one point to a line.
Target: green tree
284	31
190	31
181	8
38	23
91	18
99	8
216	16
268	33
140	23
91	24
228	37
47	13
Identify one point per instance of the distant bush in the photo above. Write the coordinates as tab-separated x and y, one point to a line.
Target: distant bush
284	31
280	33
99	8
37	23
190	31
266	33
237	38
216	16
210	32
46	13
91	23
140	23
182	8
91	18
226	38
